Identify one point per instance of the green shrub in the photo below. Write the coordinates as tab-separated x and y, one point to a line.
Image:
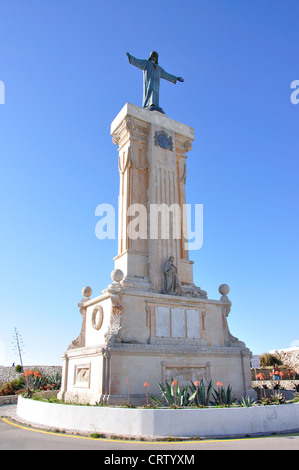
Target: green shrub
30	381
268	360
11	388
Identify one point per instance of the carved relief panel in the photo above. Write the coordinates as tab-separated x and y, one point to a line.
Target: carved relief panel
176	322
186	373
82	376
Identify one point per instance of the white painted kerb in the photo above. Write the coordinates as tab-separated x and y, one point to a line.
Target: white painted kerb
210	422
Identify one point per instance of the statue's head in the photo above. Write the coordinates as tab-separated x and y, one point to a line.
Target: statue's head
154	57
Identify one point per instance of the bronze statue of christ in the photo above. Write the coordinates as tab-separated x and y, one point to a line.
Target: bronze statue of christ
152	72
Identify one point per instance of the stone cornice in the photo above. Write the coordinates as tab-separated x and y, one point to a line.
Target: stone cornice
151	117
158	349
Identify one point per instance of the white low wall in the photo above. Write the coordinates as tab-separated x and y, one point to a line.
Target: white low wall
128	422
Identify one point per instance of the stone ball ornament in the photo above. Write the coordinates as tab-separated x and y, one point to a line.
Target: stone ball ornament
224	289
117	275
86	292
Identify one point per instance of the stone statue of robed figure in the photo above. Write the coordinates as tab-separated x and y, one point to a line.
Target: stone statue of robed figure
171	283
152	72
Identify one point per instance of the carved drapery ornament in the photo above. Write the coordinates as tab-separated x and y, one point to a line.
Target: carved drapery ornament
130	162
113	332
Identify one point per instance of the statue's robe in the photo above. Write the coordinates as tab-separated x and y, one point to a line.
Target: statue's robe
171	278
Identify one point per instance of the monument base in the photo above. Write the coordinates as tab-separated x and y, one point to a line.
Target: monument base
154	338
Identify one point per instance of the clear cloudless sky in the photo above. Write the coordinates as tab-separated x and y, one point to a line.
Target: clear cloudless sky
66	78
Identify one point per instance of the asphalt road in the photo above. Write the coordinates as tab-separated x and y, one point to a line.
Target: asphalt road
17	436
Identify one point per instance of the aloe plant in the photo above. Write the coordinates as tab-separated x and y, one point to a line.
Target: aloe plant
223	397
200	395
174	394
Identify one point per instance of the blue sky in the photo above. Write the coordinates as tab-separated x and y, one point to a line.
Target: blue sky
66	78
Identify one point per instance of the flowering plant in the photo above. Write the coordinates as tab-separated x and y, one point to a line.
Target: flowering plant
34	381
260	376
31	382
147	385
174	394
223	397
200	395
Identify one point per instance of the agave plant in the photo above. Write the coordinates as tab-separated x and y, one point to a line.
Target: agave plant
246	402
55	380
200	395
174	394
278	399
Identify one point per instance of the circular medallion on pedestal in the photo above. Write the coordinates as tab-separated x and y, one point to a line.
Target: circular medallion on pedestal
97	317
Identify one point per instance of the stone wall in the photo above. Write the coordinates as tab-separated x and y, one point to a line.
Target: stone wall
289	357
9	400
270	384
267	371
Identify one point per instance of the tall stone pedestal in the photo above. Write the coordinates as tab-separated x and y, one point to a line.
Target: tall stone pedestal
137	331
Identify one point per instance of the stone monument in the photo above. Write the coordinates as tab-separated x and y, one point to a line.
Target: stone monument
152	323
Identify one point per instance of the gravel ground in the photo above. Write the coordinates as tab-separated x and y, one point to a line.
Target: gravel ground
8	411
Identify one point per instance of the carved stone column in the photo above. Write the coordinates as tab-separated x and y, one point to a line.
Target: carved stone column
131	136
183	145
152	153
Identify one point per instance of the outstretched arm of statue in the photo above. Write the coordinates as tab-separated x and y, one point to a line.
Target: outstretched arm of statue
169	77
140	63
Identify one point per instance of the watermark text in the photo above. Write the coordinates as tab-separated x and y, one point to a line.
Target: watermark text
156	222
295	95
2	92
